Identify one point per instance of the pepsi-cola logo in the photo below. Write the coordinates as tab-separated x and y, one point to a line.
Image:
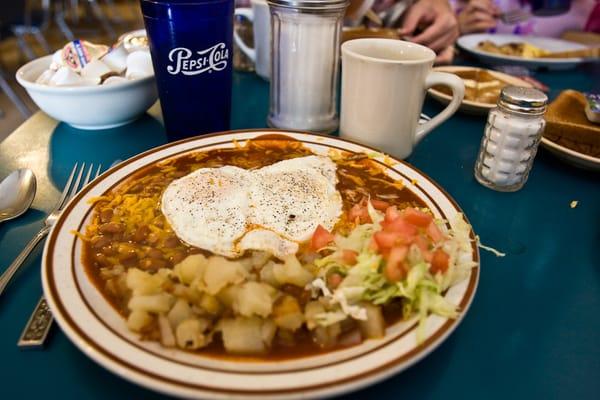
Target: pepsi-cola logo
184	60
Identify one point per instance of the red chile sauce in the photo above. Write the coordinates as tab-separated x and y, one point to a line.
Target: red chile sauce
358	177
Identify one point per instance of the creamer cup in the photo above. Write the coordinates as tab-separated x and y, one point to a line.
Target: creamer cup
57	60
78	53
134	41
139	65
96	70
116	59
65	76
45	77
114	80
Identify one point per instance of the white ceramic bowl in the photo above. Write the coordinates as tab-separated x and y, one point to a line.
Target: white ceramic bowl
88	107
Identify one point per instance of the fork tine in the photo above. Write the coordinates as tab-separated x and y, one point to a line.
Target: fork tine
98	171
87	176
65	191
75	187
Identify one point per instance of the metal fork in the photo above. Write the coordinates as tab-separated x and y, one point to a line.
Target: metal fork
515	16
68	192
36	330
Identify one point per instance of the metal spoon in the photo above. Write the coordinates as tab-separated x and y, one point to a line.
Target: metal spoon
16	193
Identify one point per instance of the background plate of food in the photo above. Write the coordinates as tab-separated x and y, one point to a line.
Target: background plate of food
579	159
482	88
528	51
569	134
260	264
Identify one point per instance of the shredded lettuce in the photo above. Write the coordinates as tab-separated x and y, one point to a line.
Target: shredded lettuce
421	291
346	298
492	250
376	217
359	238
330	318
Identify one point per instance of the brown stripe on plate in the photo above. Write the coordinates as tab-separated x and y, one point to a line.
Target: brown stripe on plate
467	298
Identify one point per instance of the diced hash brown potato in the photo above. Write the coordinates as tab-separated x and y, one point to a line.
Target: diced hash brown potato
191	268
138	320
254	298
287	313
221	272
155	303
374	325
292	272
191	335
246	335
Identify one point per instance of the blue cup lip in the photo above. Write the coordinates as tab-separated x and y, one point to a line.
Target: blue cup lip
176	3
176	9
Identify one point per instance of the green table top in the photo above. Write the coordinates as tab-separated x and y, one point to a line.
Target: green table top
533	330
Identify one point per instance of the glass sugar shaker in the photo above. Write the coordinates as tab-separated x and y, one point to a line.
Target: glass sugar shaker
305	63
511	138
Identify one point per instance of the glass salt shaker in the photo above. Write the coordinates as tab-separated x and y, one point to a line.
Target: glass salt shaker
511	138
305	63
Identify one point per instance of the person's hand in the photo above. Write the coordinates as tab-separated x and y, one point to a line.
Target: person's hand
436	18
478	16
445	56
439	24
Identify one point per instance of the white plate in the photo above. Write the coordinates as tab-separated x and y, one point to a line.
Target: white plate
571	156
469	106
469	44
100	332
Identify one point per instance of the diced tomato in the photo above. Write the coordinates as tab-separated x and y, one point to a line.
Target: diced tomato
423	244
373	245
359	212
385	240
349	256
394	274
397	255
379	204
395	268
391	213
321	238
439	262
416	217
434	232
406	232
334	280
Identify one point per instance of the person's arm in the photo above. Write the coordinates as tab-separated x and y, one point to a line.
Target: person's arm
440	27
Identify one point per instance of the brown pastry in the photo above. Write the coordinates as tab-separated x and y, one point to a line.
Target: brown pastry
567	125
480	86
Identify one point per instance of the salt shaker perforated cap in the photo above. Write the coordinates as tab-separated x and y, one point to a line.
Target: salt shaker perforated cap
311	5
523	100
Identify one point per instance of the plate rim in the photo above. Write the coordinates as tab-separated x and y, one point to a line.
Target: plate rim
555	148
460	42
362	378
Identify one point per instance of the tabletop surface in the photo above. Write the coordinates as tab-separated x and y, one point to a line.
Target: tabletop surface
533	330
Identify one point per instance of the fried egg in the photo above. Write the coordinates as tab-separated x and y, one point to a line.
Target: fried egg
229	210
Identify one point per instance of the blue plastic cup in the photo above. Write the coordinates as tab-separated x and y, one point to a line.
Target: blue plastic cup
192	55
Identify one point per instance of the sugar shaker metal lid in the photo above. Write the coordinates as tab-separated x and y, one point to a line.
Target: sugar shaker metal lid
523	100
311	5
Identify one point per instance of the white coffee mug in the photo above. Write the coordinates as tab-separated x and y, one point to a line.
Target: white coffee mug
260	16
383	88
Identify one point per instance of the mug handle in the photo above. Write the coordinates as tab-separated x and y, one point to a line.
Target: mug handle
458	93
249	51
